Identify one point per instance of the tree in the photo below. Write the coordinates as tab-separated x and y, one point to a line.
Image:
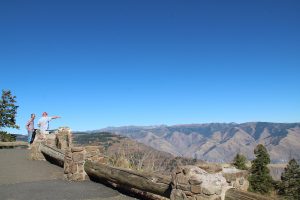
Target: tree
8	110
290	181
259	178
239	162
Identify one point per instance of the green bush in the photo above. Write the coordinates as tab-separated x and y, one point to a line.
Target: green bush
239	162
6	137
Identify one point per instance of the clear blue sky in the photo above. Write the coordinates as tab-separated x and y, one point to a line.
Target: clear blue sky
113	63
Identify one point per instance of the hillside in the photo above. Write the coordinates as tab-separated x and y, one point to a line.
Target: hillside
219	142
125	152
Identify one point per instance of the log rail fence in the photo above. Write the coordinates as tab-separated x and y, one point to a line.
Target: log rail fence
186	183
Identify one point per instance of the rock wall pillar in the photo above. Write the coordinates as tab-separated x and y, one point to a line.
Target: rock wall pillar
64	138
75	158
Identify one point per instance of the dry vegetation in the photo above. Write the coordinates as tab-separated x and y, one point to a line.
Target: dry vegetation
123	152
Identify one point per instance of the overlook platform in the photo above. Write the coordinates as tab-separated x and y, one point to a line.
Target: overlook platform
22	179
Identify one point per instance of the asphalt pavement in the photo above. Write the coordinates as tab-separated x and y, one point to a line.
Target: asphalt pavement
24	179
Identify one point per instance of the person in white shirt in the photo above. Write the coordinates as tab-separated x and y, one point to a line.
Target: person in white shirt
44	123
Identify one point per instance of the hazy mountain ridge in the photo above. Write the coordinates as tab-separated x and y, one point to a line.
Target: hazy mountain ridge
219	142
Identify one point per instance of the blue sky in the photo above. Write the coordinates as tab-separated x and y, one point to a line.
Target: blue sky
114	63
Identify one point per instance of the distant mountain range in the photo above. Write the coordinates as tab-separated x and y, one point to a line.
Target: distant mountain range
218	142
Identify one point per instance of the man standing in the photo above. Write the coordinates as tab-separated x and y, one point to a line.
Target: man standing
44	123
30	127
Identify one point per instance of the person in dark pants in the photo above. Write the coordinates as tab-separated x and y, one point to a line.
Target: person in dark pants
33	136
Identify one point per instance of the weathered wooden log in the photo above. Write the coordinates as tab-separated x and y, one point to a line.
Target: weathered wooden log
13	144
147	182
53	155
233	194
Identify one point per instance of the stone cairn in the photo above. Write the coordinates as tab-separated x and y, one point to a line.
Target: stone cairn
195	183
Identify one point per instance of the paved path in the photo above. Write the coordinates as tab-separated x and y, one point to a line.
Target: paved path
22	179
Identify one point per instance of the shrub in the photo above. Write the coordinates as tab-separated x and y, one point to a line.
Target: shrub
6	137
239	162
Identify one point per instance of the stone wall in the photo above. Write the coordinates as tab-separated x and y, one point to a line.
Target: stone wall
75	158
61	139
35	153
74	164
238	179
194	183
202	182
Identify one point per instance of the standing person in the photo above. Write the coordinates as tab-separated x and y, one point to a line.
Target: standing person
30	127
44	123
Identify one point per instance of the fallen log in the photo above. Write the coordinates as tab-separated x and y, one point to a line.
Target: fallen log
156	184
53	155
160	185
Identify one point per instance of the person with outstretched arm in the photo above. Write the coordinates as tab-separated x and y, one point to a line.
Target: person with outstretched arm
44	123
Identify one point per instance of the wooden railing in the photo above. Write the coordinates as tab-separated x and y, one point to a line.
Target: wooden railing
128	179
147	182
53	154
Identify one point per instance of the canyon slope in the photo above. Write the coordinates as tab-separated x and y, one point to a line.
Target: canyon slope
219	142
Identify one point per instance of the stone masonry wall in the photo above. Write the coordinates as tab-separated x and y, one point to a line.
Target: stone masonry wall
236	178
194	183
74	164
203	182
75	158
35	153
61	139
